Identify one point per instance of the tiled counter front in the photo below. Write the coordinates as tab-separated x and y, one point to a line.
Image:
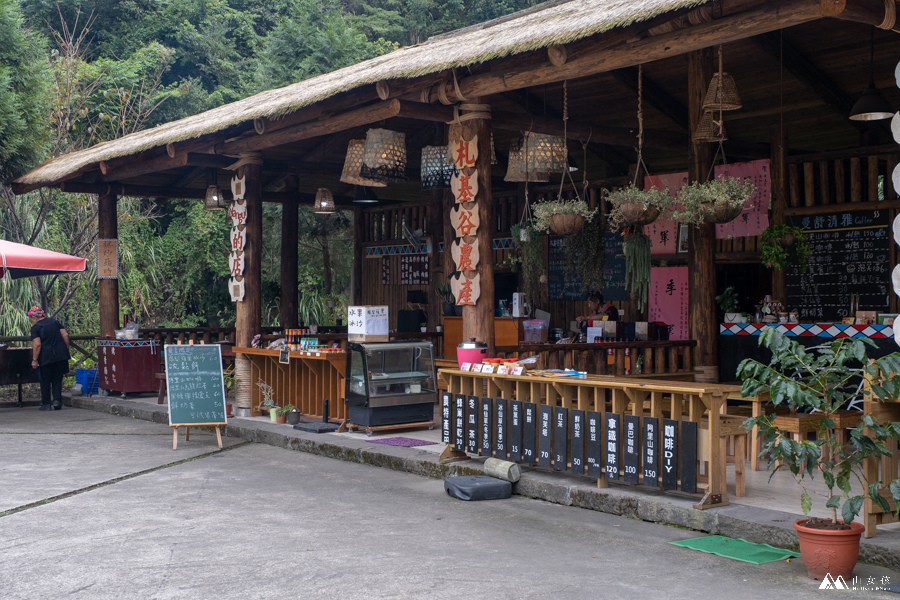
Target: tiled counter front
829	330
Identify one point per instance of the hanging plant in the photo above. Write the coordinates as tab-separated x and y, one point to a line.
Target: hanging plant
562	217
634	207
782	244
637	267
719	200
588	246
529	244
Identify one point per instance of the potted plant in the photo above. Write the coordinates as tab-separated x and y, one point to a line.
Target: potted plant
728	303
293	415
268	398
719	200
781	244
445	293
562	217
438	328
281	414
423	326
824	378
230	381
634	207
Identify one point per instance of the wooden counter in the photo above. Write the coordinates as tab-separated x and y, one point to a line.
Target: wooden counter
507	332
309	378
609	358
672	427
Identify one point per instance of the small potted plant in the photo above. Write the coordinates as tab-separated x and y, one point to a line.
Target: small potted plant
268	398
825	378
281	414
562	217
445	293
782	244
423	326
634	207
728	303
719	200
293	415
438	328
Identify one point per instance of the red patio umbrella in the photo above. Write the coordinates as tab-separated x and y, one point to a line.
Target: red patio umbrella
21	260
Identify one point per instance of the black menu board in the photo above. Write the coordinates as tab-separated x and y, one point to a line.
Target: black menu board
563	288
850	255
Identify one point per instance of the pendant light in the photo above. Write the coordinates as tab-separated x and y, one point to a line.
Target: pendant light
213	199
871	106
384	158
436	171
722	93
364	195
353	164
324	204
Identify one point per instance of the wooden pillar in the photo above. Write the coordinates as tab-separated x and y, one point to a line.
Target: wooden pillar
356	297
435	229
778	171
249	310
702	253
287	308
478	320
108	229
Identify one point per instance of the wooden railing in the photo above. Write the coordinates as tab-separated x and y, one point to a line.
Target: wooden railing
610	358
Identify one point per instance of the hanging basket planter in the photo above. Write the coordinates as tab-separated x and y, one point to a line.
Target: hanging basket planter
638	214
719	213
718	201
634	207
566	224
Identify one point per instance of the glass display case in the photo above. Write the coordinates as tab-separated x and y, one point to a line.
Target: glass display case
390	383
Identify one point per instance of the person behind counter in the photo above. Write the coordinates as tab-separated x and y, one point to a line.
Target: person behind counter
598	310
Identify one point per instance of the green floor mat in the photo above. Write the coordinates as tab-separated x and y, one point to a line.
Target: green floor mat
737	549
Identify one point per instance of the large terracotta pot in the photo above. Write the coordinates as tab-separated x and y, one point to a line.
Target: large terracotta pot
829	552
566	223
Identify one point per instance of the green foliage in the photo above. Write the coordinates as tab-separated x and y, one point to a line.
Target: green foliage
781	243
637	267
696	198
531	257
825	378
588	246
728	300
445	292
653	197
544	210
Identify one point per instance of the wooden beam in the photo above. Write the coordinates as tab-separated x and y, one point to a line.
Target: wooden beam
868	12
614	136
142	167
146	191
655	96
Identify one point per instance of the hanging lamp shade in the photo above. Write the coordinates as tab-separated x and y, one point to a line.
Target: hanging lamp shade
353	164
213	199
722	93
871	106
516	169
544	153
364	195
710	130
324	204
436	171
384	158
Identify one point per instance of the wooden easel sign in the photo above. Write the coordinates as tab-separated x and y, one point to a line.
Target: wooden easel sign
196	389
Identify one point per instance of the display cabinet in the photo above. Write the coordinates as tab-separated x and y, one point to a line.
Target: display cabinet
391	383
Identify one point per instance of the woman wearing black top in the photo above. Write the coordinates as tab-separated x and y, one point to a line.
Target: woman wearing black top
598	309
50	355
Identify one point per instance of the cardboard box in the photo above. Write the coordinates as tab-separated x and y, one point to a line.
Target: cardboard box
535	330
367	323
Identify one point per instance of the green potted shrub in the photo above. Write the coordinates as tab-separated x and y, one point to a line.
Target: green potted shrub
281	414
445	293
562	217
719	200
825	378
634	207
728	303
781	244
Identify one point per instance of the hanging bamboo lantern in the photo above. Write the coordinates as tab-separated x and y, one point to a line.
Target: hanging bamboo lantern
516	169
213	199
384	158
353	164
545	153
436	172
722	93
324	204
710	130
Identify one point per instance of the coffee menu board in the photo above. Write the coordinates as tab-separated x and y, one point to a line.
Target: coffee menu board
850	255
563	288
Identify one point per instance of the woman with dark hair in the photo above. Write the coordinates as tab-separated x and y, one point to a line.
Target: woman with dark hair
598	310
50	356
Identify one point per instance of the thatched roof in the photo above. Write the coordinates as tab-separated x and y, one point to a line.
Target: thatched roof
551	23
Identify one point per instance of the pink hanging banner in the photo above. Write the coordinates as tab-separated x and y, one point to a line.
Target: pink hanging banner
663	232
668	300
755	219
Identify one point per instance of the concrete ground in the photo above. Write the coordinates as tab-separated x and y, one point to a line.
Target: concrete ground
96	505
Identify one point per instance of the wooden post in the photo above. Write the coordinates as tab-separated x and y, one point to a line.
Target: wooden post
478	320
702	246
249	310
108	228
435	228
356	296
778	170
289	212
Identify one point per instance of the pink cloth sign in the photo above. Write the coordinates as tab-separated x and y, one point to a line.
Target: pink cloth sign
668	300
663	232
755	218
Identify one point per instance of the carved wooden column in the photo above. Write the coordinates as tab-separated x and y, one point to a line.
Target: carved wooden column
702	246
249	310
778	170
107	228
287	308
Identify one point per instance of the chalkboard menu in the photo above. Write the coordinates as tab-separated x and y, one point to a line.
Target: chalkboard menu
850	255
563	288
414	269
195	384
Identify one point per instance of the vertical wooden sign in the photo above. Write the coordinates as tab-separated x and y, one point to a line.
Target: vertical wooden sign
631	456
446	429
613	437
108	259
460	422
515	431
578	442
484	449
500	428
594	444
688	457
471	426
649	451
529	431
545	435
560	438
669	458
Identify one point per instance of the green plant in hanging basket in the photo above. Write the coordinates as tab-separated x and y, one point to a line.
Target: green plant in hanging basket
575	213
530	256
587	249
781	243
634	207
637	267
720	200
